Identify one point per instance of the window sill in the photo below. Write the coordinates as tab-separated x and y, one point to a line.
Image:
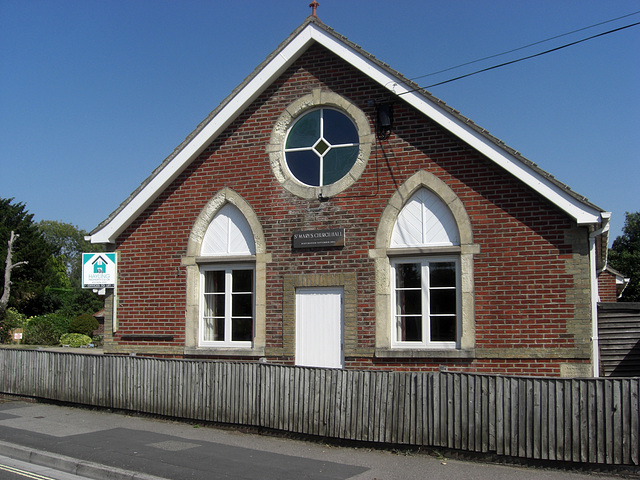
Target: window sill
224	352
425	353
225	259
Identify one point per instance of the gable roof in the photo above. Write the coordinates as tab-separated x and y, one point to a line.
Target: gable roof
313	31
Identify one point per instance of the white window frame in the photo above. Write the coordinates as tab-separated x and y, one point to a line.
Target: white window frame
227	342
426	342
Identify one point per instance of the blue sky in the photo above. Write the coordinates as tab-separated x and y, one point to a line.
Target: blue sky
94	94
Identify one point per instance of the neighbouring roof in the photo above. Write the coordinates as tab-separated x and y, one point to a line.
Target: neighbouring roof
313	31
621	280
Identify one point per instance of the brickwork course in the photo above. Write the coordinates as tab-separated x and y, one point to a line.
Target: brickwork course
531	297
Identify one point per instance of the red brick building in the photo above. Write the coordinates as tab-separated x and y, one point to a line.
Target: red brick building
331	213
611	284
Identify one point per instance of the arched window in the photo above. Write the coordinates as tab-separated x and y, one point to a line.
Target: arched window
226	263
424	270
425	289
227	305
228	233
425	221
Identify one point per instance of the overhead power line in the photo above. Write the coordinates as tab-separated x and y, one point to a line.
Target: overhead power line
524	46
524	58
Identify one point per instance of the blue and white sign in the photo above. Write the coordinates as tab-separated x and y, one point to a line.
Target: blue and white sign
99	270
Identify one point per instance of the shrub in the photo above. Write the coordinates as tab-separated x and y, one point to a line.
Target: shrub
84	324
12	320
45	329
75	340
79	301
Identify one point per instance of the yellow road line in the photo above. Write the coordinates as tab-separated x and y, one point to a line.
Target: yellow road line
24	473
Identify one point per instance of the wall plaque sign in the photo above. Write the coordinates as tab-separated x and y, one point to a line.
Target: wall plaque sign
318	238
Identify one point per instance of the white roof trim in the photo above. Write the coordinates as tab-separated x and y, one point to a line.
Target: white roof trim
581	212
151	190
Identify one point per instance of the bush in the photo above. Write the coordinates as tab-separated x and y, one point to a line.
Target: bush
12	320
45	329
84	324
79	301
75	340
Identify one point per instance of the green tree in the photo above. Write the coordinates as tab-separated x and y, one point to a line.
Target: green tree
69	245
77	301
30	280
624	256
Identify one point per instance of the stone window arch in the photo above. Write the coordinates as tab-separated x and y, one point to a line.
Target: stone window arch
424	222
228	234
227	237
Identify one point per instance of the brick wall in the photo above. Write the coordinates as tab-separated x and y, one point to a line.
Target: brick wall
531	275
607	289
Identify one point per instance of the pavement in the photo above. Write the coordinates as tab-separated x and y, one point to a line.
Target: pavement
102	444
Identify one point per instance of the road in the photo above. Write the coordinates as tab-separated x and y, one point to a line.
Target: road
94	443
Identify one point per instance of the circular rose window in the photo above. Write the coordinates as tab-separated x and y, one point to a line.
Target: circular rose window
321	147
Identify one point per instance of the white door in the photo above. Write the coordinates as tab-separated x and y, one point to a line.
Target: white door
319	327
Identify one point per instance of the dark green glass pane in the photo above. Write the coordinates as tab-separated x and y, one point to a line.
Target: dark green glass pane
214	281
337	163
408	275
242	281
241	329
305	132
442	274
321	147
411	329
409	301
305	166
443	329
442	301
338	129
242	305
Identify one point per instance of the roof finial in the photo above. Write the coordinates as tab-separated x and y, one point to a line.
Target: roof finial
314	6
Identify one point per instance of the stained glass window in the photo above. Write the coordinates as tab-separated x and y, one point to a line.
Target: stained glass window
321	147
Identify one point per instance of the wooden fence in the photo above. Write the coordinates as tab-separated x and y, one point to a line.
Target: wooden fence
573	420
619	332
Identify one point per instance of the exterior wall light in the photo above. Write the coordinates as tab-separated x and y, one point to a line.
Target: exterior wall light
384	124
